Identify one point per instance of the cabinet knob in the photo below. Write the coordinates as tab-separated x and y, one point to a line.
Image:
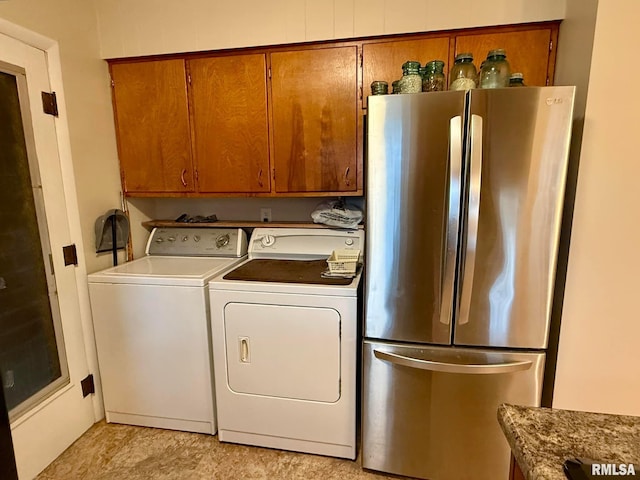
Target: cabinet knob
346	177
184	182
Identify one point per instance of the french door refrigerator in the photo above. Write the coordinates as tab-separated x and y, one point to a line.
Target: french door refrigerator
464	205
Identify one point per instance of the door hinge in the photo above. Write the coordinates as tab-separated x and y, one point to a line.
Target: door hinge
50	103
269	72
113	84
51	264
361	59
70	255
360	93
550	45
189	78
88	386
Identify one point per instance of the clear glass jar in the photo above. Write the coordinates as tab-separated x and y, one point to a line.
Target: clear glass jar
516	80
496	71
463	75
411	81
433	79
379	87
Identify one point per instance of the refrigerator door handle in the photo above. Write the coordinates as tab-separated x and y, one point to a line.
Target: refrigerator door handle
473	217
444	367
453	219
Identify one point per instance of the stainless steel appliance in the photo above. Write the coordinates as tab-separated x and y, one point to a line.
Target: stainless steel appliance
464	203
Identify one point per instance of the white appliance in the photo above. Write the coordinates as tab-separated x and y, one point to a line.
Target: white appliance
285	350
151	321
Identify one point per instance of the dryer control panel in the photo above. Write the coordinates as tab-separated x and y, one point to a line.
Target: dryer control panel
197	242
302	243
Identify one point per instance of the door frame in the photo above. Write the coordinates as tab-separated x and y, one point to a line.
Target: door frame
29	467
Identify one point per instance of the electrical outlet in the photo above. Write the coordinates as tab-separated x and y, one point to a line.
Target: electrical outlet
265	214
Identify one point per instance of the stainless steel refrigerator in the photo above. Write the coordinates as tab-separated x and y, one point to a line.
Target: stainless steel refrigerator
464	203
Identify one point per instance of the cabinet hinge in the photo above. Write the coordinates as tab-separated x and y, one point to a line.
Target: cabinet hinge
361	60
70	255
269	72
50	103
113	84
550	45
189	78
88	386
360	93
548	82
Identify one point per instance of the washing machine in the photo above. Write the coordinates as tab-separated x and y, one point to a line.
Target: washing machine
151	321
285	344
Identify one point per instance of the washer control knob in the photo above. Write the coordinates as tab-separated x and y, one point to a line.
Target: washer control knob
172	239
268	240
196	238
348	241
185	238
159	240
222	240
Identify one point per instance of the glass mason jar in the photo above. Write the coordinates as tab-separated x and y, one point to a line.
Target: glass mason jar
463	75
379	87
411	81
516	80
433	79
395	86
496	71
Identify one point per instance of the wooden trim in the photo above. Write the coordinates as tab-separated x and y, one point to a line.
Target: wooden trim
236	224
356	193
551	67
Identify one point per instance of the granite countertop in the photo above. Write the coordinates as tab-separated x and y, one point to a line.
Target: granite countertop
541	439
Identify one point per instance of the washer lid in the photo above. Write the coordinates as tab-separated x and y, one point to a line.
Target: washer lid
181	271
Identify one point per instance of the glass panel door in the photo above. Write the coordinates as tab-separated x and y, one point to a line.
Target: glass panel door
32	359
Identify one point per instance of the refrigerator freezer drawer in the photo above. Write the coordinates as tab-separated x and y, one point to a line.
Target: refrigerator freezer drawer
430	412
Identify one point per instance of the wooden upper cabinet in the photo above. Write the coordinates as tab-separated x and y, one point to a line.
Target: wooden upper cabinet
314	100
229	122
383	61
528	51
152	123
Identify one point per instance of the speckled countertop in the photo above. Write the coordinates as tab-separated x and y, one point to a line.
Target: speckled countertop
541	439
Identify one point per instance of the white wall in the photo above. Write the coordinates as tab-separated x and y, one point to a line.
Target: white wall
73	24
144	27
598	354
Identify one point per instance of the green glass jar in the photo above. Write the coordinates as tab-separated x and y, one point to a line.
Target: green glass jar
516	80
395	86
411	81
379	87
463	75
433	79
496	71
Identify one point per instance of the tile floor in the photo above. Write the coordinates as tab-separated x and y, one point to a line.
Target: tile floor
119	452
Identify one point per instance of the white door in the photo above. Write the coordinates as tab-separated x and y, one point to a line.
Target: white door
285	351
47	419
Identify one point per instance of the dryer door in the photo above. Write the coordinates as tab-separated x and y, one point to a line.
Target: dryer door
283	351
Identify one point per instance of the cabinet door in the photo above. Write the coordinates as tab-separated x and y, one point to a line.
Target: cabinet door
152	123
229	108
314	100
528	51
383	61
